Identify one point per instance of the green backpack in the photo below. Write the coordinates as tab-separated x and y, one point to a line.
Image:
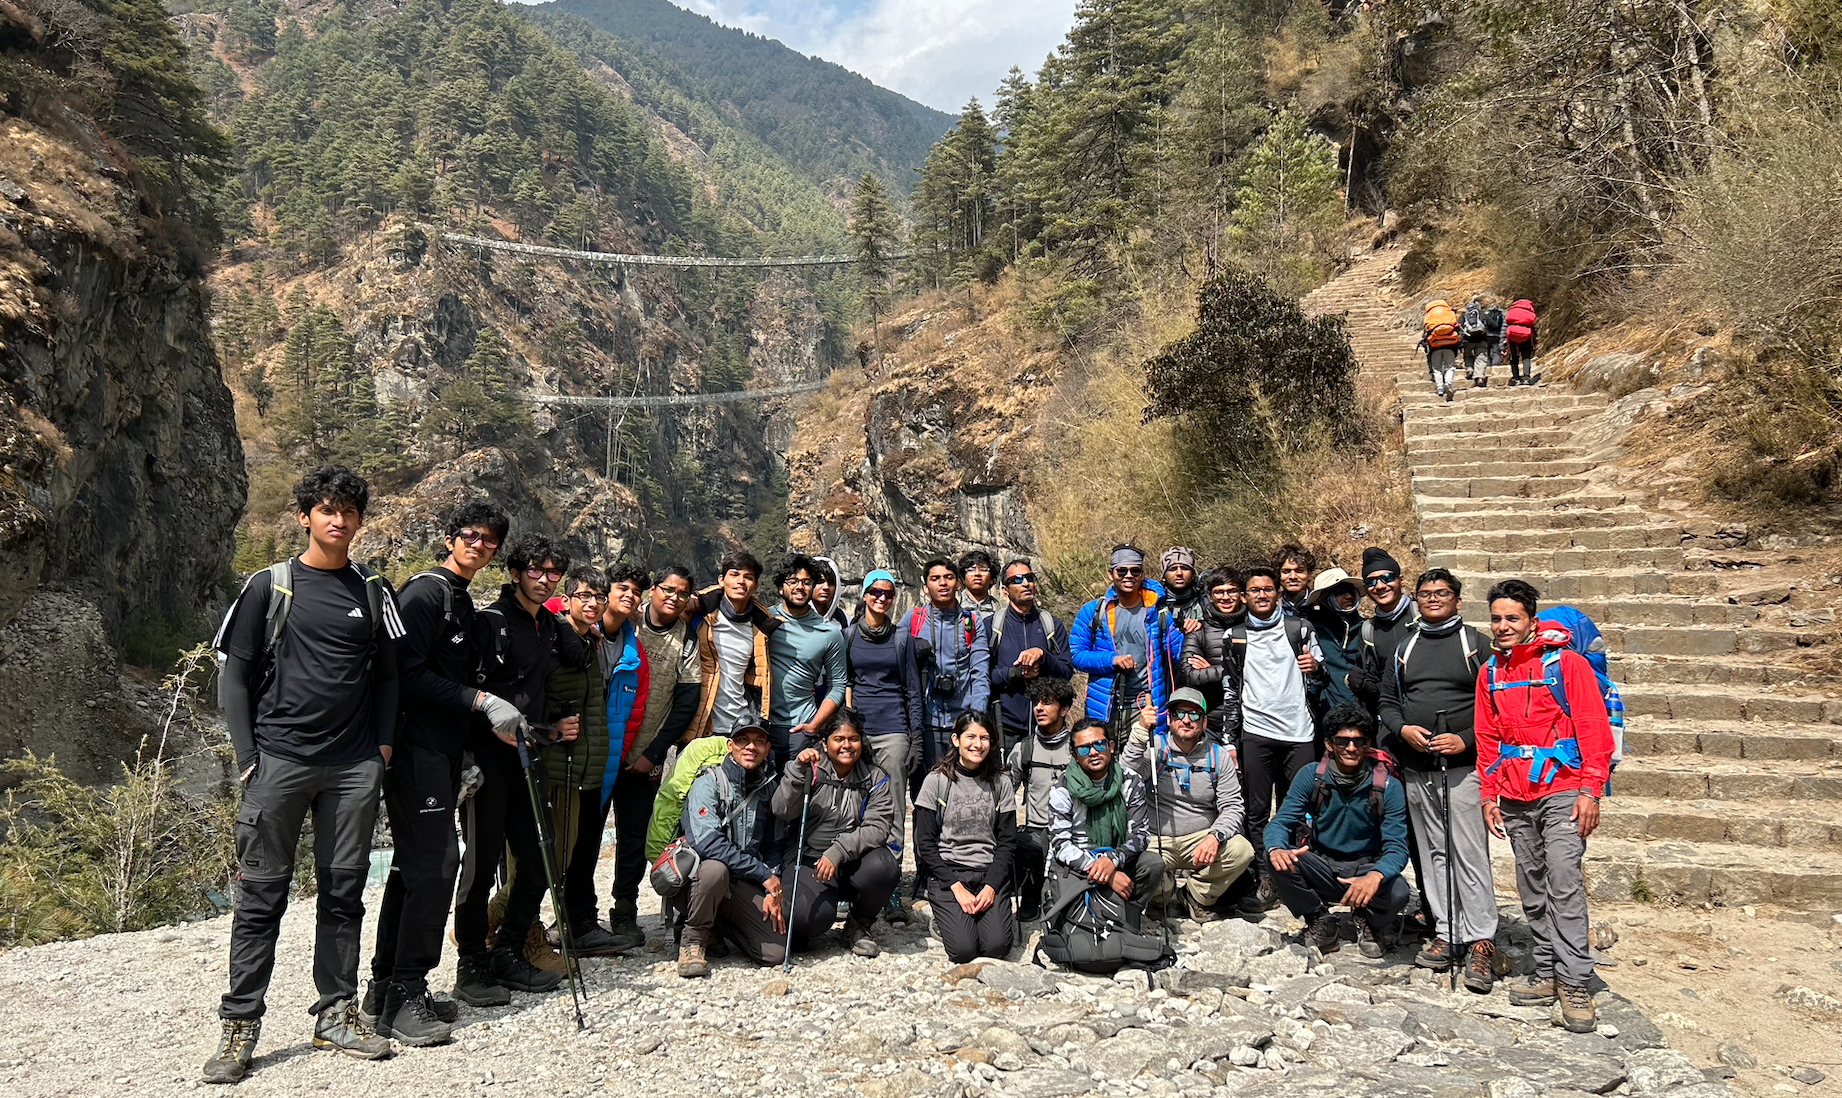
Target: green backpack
668	804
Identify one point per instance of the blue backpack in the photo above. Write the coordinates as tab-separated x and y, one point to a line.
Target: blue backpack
1588	642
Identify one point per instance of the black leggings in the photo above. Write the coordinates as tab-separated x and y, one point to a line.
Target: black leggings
987	934
867	882
1264	764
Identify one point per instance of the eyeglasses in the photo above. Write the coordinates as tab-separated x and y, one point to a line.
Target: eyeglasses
1128	573
1381	578
880	593
1098	747
544	573
1021	577
1347	743
474	537
797	582
1187	716
672	594
1435	594
589	596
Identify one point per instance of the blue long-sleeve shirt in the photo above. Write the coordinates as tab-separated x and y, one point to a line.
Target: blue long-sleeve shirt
750	845
1016	634
807	656
1346	829
967	664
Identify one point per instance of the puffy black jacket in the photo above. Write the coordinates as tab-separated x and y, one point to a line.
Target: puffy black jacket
1211	644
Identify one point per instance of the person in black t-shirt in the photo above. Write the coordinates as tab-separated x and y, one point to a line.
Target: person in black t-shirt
520	643
309	692
438	664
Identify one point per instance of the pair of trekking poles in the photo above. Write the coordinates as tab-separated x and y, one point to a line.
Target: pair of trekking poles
578	984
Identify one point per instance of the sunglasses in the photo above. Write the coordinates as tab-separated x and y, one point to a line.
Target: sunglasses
544	573
1187	716
1098	747
880	593
474	537
1344	743
1380	578
1128	572
1021	577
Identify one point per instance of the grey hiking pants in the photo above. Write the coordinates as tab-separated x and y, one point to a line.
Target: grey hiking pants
890	751
1441	363
343	800
1549	852
1477	894
716	903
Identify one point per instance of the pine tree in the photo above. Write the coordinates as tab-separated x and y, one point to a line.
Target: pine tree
874	228
1288	192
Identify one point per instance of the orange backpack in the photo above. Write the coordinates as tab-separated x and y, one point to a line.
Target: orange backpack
1441	325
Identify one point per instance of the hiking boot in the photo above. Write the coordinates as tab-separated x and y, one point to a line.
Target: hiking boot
894	913
1448	396
445	1008
624	924
373	1002
692	965
595	941
1436	955
1200	912
1533	991
410	1017
1577	1013
235	1049
1324	933
539	952
474	983
857	936
1366	941
1417	925
515	971
338	1028
1481	967
717	948
1262	899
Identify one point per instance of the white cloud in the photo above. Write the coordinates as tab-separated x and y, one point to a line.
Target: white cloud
941	52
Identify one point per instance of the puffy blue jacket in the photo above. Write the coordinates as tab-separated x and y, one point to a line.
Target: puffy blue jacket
1090	642
626	699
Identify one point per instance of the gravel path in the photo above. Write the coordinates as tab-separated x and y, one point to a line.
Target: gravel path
1244	1012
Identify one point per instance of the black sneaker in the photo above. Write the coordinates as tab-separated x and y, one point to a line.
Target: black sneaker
594	940
338	1028
1324	933
624	925
410	1017
509	968
235	1049
474	983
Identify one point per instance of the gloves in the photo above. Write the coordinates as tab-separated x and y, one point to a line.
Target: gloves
504	716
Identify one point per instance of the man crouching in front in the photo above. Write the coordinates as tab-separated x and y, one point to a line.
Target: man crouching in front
735	889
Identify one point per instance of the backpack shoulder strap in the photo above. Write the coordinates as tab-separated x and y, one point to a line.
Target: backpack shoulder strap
1051	627
1237	644
374	594
281	600
1551	674
1378	786
1296	630
997	625
1368	632
917	618
446	588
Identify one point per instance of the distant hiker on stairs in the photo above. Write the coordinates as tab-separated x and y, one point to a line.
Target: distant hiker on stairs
1439	338
1519	340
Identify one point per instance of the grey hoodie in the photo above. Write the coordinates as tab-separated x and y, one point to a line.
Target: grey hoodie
848	818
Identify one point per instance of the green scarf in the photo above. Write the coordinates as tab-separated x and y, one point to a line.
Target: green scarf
1107	825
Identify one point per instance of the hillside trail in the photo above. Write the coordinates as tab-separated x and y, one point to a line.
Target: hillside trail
1725	818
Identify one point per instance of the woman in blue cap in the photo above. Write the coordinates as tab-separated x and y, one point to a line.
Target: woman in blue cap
885	687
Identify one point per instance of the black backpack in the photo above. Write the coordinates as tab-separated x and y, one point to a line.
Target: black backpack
1085	929
1472	327
1493	321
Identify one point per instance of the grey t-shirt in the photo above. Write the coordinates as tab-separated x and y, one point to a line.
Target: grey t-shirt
968	811
1273	689
735	646
1129	639
1046	765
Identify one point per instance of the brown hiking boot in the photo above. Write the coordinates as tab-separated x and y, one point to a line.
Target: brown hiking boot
1533	991
538	951
1324	932
691	962
1481	967
1577	1013
1436	955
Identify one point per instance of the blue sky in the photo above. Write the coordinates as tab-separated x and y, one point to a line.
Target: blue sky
941	52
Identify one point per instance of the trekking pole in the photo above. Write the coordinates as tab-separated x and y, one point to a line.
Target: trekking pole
799	853
1164	918
1453	908
546	850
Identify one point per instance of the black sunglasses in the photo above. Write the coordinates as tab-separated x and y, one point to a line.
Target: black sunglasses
1128	571
1021	577
1348	741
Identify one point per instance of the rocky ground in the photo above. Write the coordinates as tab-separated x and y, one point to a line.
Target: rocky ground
1245	1011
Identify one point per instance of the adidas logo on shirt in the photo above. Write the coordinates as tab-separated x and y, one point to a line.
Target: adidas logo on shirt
355	612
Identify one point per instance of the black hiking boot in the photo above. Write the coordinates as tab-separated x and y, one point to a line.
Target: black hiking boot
509	968
474	983
1324	933
624	924
338	1028
594	940
373	1002
1367	942
410	1017
1262	899
235	1049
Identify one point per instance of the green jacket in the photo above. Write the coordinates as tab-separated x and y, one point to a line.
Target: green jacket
585	692
668	805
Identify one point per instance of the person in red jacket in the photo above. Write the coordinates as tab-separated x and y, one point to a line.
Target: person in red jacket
1544	749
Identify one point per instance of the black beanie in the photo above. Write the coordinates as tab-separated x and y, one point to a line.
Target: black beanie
1376	559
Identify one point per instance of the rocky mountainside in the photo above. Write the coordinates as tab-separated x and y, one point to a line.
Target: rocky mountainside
122	476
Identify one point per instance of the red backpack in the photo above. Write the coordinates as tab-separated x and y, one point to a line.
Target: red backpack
1521	321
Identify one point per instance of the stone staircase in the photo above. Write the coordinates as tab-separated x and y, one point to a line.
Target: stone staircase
1731	787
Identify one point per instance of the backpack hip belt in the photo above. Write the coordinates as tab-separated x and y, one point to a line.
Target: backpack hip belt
1564	755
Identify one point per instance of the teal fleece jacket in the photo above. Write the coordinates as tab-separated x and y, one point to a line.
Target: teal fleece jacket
807	655
1347	829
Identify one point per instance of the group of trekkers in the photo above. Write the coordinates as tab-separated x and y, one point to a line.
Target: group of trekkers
1484	335
771	764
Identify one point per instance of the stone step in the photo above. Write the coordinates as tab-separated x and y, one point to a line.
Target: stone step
1754	741
1418	423
1696	777
1535	505
1438	465
1574	588
1511	406
1424	453
1549	562
1481	441
1607	537
1676	701
1713	669
1765	823
1622	870
1513	487
1547	520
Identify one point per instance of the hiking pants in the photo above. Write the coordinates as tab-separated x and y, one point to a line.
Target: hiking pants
867	883
1477	359
990	933
632	809
1211	882
420	790
578	828
280	794
497	821
785	745
1549	877
713	902
1441	362
1470	855
891	753
1522	360
1029	862
1312	885
1266	763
